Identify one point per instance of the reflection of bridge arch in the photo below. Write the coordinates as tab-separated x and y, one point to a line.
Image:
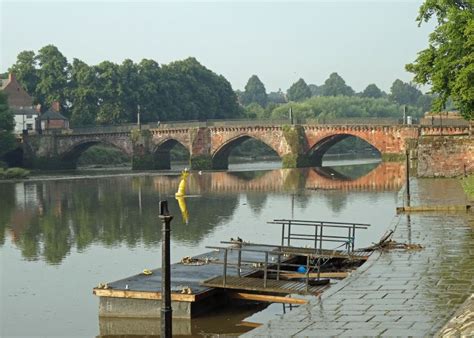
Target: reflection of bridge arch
73	153
387	176
320	147
161	152
220	157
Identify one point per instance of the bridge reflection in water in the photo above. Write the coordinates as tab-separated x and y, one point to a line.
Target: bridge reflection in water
46	219
77	232
385	176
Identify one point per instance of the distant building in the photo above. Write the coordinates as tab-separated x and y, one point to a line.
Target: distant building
53	120
21	103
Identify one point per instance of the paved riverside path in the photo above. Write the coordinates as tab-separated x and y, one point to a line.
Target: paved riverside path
398	293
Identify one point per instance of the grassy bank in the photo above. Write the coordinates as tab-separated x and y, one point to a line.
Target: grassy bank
13	173
468	185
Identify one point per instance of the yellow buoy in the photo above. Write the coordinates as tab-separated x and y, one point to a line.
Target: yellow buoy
182	184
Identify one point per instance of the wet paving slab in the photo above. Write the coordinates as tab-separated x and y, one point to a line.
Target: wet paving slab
399	292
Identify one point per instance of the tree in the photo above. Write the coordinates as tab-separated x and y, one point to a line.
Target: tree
151	95
315	90
82	94
26	72
254	111
254	92
372	91
196	93
404	93
108	90
425	102
7	123
276	97
129	85
52	76
447	65
298	91
335	85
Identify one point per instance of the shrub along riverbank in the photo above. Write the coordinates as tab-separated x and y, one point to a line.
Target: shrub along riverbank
468	185
13	173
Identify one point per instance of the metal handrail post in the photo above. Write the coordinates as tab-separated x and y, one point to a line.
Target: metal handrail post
265	272
353	236
282	234
289	232
307	273
321	238
315	237
239	259
278	266
224	279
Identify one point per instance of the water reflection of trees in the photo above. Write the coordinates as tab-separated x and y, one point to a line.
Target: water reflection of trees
48	219
7	200
109	211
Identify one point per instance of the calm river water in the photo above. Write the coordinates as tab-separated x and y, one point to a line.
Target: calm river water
61	235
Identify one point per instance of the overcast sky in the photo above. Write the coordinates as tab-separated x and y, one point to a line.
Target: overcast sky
364	41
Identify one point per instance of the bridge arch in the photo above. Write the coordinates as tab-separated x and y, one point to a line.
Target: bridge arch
319	148
73	153
220	157
162	152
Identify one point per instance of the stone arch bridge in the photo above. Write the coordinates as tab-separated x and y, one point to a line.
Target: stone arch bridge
209	146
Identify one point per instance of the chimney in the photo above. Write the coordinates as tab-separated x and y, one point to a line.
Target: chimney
56	107
38	108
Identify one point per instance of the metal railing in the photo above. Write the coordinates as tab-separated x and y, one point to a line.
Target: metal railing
318	238
445	123
288	225
267	267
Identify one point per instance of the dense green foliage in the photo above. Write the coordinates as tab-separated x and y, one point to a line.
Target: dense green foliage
299	91
335	85
447	65
110	93
404	93
7	140
13	173
372	91
103	155
276	97
468	185
341	107
254	92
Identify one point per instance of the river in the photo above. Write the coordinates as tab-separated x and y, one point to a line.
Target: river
63	234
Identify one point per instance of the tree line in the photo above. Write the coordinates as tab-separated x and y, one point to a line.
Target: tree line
110	93
332	99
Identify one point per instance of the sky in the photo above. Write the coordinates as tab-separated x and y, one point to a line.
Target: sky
363	41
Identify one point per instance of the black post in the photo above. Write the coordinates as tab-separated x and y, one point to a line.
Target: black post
138	118
166	311
408	175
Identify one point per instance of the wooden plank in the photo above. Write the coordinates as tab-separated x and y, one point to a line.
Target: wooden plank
249	324
315	274
266	298
435	208
256	284
141	295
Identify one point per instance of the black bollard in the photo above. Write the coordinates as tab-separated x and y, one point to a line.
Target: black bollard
166	310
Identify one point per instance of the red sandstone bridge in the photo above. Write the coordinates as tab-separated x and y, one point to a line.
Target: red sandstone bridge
209	144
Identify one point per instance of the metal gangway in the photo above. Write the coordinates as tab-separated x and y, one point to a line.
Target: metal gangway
267	259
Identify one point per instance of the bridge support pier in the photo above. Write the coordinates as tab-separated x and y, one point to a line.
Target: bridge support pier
299	161
201	162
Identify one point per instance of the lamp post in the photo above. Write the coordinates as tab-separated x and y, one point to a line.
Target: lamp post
166	310
138	117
